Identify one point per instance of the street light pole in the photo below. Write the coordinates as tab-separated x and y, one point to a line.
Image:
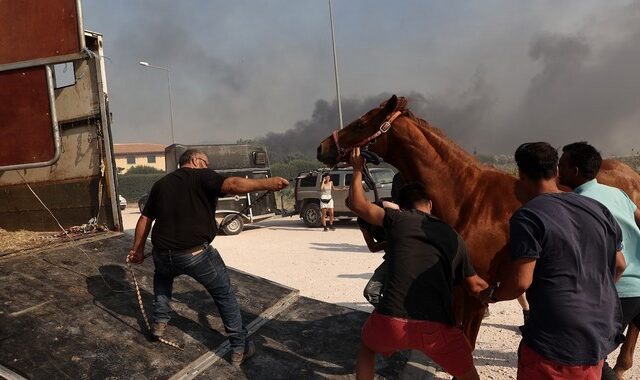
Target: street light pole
335	66
147	64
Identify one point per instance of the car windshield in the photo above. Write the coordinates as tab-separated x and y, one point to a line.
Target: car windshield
309	181
382	176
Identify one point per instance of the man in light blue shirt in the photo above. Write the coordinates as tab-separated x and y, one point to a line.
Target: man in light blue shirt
578	167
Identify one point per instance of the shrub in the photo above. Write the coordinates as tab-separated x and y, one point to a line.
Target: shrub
133	186
143	169
292	168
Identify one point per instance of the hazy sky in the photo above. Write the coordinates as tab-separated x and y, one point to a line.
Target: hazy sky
492	74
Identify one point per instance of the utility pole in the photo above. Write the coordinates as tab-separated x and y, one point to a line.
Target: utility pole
335	66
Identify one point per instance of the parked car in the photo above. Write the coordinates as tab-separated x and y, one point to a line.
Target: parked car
307	192
122	202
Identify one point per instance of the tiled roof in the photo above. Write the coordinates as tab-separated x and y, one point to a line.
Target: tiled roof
138	148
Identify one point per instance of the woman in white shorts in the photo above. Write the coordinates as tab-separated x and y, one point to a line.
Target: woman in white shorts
326	201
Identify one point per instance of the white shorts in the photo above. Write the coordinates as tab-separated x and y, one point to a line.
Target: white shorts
326	205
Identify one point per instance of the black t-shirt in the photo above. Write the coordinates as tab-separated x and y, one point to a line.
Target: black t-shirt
183	205
426	258
575	311
376	232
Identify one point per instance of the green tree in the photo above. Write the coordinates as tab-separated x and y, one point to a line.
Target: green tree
142	169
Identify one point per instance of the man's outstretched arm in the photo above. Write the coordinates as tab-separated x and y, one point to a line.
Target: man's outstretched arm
239	185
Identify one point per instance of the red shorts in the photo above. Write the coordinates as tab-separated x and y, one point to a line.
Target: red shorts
445	344
534	366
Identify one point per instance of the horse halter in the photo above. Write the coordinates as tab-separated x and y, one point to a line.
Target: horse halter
384	128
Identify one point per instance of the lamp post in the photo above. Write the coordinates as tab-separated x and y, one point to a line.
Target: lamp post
335	65
147	64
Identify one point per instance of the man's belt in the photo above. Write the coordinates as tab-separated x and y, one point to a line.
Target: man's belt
195	251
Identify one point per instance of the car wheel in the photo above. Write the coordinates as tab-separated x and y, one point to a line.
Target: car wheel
142	201
311	215
234	227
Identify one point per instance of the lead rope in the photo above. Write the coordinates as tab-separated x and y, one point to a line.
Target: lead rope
144	315
370	157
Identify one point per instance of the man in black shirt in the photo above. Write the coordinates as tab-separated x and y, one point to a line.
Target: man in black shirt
565	251
426	258
183	205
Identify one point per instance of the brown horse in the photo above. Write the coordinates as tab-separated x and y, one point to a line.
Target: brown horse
476	199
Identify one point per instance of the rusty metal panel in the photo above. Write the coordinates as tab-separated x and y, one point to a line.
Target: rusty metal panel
26	134
33	30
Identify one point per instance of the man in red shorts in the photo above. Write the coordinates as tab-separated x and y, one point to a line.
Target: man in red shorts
426	257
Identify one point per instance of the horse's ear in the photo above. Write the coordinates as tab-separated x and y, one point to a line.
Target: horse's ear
385	109
390	105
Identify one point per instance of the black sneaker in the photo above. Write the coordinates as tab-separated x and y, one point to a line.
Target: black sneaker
237	358
331	227
158	329
325	229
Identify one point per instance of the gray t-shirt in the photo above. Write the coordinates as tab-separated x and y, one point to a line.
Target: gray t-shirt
575	314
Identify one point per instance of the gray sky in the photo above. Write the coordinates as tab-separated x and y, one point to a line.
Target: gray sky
492	74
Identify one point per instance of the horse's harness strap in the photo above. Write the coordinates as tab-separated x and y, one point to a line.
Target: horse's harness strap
384	128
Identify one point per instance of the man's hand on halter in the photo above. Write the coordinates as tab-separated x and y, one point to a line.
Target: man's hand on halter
356	160
277	183
135	256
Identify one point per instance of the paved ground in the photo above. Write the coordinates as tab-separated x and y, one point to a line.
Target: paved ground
335	266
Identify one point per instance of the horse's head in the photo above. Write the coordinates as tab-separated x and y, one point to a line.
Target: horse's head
358	132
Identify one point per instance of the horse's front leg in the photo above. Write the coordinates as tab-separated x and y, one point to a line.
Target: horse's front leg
625	359
472	317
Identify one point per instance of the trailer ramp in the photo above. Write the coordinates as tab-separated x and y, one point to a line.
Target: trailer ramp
71	312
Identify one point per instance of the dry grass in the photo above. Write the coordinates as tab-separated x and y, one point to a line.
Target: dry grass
16	241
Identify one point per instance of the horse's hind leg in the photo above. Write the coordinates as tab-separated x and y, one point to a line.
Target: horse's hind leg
625	359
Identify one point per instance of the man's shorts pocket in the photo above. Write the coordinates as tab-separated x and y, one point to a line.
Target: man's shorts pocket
434	341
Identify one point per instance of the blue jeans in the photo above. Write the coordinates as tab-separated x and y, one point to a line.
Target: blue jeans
209	270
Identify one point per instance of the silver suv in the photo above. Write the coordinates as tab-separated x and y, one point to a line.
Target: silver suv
307	192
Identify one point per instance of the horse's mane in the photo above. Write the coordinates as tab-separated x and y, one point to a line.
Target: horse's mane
445	144
447	147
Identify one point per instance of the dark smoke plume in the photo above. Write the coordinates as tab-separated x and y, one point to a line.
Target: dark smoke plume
460	115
